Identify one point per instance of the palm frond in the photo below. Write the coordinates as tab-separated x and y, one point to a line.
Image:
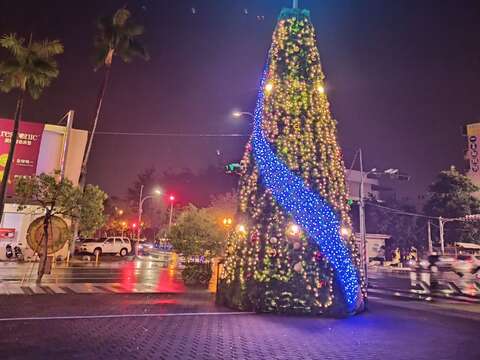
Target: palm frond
30	68
131	29
119	33
121	17
14	44
47	48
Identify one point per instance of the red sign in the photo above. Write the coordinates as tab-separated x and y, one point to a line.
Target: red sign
26	151
7	234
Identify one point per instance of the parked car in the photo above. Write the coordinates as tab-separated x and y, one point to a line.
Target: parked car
110	245
79	242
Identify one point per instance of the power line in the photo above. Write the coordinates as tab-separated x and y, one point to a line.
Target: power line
401	212
119	133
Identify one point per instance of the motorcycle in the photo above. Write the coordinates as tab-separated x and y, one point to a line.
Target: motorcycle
11	251
8	251
18	253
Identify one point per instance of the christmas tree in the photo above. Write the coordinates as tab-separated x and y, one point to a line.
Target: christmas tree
293	251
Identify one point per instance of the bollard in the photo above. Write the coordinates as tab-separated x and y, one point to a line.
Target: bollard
97	255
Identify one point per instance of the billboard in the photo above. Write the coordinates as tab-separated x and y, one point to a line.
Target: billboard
26	151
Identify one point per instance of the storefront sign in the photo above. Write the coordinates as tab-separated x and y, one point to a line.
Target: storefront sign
7	234
26	151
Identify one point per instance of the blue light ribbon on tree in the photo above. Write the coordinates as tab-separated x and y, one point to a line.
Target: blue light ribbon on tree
310	210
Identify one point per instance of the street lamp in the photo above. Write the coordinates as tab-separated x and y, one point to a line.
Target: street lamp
238	114
142	199
172	199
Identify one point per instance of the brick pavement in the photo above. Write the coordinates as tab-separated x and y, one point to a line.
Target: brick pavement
384	332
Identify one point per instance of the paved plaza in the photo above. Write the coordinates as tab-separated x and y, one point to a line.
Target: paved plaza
190	326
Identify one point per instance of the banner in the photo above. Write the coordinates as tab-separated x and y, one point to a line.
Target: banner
26	151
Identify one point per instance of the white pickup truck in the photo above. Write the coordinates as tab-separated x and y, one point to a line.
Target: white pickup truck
110	245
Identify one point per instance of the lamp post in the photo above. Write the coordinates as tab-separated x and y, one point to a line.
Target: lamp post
123	224
238	114
172	199
140	210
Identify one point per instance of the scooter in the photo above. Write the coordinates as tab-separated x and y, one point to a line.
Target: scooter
8	251
18	253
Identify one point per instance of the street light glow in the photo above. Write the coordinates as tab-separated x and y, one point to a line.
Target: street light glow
236	114
157	192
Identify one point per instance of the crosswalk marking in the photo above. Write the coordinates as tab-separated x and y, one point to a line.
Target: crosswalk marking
80	288
56	289
37	289
85	289
14	289
111	287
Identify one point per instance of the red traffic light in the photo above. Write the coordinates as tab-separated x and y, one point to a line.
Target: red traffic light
134	225
172	198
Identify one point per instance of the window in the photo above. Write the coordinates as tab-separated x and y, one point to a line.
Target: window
109	242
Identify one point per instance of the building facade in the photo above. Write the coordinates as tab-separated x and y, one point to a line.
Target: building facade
59	148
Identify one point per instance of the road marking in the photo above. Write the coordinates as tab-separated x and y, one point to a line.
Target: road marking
115	316
85	289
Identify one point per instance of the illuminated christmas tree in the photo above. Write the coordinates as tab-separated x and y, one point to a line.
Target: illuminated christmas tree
293	250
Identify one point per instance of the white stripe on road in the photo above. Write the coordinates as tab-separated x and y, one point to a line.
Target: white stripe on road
86	317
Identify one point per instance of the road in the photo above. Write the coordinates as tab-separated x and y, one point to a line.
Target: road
141	310
190	326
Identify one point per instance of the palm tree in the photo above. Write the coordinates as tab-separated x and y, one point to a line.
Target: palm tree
30	69
117	35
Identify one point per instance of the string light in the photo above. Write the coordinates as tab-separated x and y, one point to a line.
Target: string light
292	189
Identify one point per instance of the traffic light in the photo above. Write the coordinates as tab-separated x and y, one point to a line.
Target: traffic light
134	225
233	168
472	217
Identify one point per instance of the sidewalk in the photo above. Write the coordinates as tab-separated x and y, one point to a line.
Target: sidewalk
190	326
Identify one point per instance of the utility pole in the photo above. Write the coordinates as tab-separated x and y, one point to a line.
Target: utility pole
66	143
429	230
363	237
140	204
441	223
172	199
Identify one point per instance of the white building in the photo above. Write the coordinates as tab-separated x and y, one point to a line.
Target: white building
55	153
353	178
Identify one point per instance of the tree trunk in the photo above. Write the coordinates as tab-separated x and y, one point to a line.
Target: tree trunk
101	95
44	247
83	172
11	152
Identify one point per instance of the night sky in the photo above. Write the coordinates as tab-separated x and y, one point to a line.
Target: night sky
403	78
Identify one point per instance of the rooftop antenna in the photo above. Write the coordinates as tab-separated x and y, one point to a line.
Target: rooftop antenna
295	4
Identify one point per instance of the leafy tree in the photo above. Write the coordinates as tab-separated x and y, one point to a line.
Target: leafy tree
59	197
155	212
91	214
223	206
451	195
196	233
405	230
30	68
117	36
